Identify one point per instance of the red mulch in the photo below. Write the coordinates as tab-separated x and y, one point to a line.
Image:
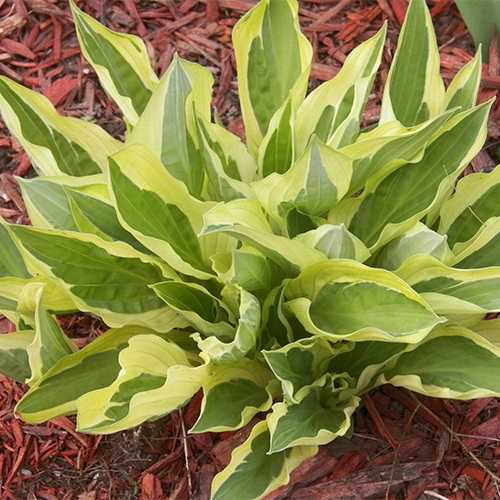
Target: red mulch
402	446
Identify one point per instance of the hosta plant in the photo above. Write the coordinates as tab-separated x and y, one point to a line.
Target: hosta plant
484	23
282	277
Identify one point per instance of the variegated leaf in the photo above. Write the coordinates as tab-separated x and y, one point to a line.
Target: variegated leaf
482	250
312	186
462	295
159	221
93	367
342	299
11	260
453	362
414	91
333	110
56	144
336	242
167	125
155	378
253	472
240	389
13	354
121	62
363	361
246	337
107	278
416	189
474	202
273	60
300	365
277	149
220	186
316	419
19	293
61	203
198	306
245	220
235	159
247	268
379	152
420	240
50	343
463	89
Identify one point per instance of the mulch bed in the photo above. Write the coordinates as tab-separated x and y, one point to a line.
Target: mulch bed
403	446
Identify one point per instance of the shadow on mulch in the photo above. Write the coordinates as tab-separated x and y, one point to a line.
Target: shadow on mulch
402	446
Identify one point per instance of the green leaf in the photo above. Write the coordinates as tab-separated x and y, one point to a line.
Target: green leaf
121	62
245	339
482	23
273	59
342	299
317	419
482	250
13	356
221	186
155	378
384	149
197	305
336	242
160	226
245	220
253	472
463	89
248	268
11	260
232	396
453	363
299	365
109	279
167	126
420	240
474	202
333	110
93	367
233	155
50	343
414	91
314	184
56	144
277	150
363	361
416	189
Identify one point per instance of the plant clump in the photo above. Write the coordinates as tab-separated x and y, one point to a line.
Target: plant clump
284	277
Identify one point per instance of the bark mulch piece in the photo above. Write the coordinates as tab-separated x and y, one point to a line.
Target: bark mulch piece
403	446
